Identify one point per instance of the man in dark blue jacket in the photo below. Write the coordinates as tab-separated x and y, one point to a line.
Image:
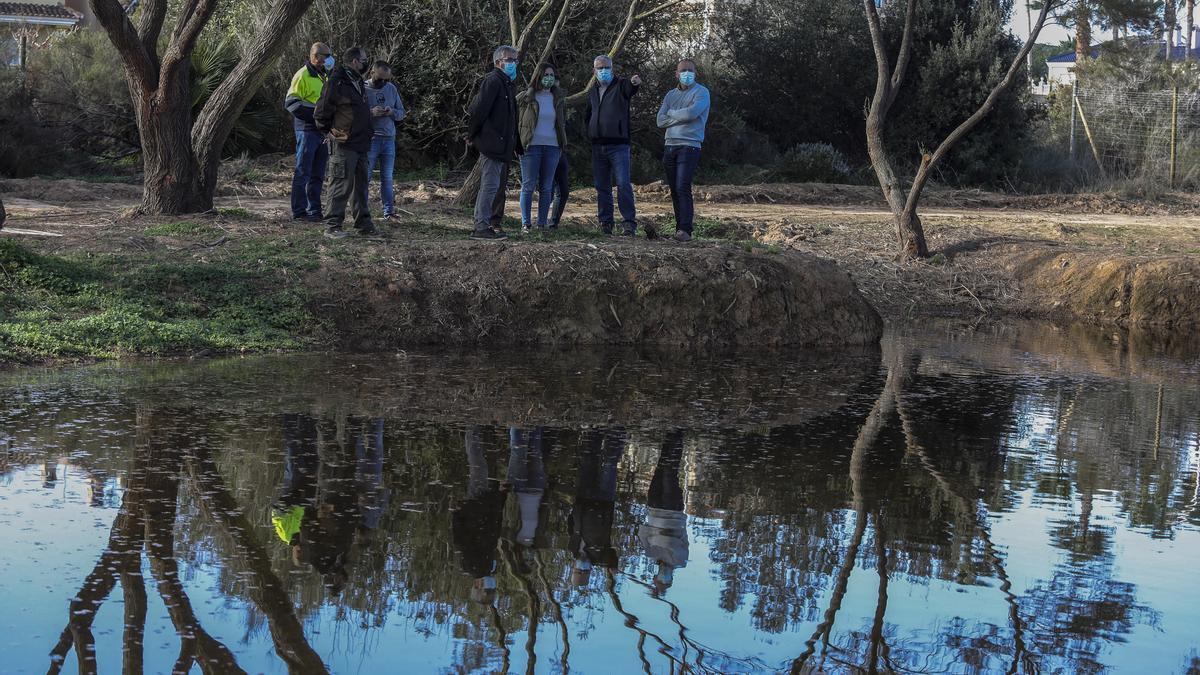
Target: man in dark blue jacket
493	132
345	116
608	129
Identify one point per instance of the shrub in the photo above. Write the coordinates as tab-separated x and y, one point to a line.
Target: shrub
813	163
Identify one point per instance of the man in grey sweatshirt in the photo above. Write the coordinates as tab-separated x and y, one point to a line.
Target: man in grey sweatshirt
683	114
386	111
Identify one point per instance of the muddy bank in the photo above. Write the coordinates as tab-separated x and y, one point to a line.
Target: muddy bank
702	297
1142	292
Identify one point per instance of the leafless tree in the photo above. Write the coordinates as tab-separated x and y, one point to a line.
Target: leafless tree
889	79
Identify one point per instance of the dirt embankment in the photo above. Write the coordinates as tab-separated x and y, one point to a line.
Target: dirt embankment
1102	258
1142	292
582	293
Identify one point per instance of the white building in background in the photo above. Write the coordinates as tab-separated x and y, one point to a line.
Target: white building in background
30	23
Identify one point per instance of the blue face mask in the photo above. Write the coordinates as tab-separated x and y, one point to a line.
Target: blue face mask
687	78
329	63
510	69
604	75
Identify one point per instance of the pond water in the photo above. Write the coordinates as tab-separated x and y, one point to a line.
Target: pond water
1005	500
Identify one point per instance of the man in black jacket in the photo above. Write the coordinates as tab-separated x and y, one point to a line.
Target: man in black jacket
493	132
344	115
608	129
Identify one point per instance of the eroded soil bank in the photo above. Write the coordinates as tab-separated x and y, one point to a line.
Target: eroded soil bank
613	292
1106	260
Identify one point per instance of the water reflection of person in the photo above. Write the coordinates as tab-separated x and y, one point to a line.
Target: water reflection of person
328	531
595	501
49	473
298	495
527	476
664	534
373	496
476	523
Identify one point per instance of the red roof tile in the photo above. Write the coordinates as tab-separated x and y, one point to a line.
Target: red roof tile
27	9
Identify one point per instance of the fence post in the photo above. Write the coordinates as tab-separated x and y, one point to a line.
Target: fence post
1174	130
1087	130
1074	90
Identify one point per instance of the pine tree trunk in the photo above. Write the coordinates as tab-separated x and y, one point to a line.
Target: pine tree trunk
470	189
1169	20
1190	26
1083	32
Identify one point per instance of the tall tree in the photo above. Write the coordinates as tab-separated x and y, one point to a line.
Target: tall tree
889	78
180	155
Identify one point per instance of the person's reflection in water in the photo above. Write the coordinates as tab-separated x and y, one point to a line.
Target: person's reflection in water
298	495
527	476
49	473
96	488
373	497
595	500
476	524
664	534
328	535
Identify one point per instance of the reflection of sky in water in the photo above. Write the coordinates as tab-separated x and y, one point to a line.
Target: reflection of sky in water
1137	552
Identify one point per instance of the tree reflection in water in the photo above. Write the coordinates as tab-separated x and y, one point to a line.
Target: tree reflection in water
518	544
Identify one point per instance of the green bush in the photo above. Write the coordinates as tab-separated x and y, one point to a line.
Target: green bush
813	163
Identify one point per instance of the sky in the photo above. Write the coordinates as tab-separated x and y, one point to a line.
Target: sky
1051	33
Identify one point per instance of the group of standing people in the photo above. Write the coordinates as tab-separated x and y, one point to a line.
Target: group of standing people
531	125
345	119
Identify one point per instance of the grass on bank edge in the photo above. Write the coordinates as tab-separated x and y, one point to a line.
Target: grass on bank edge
107	305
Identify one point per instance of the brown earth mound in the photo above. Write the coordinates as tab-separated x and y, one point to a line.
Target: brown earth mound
66	190
1142	292
573	293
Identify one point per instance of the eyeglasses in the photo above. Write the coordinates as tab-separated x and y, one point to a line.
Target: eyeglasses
509	60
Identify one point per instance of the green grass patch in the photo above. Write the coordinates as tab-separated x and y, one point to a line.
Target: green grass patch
709	228
239	213
179	229
104	306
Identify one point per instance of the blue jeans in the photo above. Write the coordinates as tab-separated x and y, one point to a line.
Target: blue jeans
680	162
311	157
383	150
609	162
537	173
562	189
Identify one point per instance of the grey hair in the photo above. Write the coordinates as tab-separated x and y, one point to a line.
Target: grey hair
501	51
603	57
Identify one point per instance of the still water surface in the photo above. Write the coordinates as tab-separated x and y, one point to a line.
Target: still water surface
1018	500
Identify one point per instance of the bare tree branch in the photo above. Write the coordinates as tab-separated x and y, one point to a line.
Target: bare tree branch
533	22
552	40
154	12
928	162
191	23
655	10
141	68
512	21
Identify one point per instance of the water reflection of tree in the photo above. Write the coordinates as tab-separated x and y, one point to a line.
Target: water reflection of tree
146	523
903	481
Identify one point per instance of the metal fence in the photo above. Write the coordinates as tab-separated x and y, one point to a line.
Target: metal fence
1147	135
